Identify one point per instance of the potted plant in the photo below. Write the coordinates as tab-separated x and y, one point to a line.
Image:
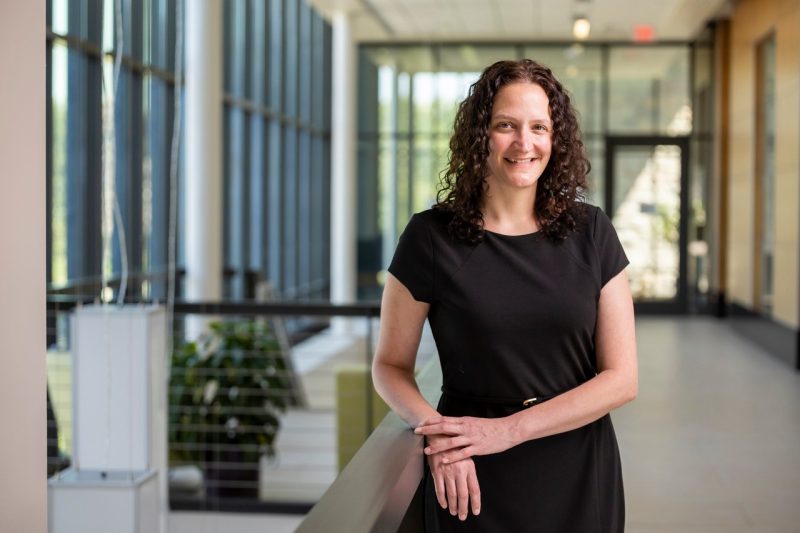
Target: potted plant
227	393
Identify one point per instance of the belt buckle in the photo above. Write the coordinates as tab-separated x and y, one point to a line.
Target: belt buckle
529	402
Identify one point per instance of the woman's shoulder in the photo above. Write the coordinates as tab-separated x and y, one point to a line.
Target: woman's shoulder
434	215
591	226
432	220
588	216
587	208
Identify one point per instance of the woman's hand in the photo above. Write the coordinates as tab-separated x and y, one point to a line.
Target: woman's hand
456	483
465	436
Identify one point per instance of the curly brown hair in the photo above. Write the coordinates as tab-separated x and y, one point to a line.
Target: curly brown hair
560	193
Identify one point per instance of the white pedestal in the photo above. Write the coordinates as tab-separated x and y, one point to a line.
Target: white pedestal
120	502
119	389
119	393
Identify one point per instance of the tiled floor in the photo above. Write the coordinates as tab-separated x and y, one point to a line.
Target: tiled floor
711	445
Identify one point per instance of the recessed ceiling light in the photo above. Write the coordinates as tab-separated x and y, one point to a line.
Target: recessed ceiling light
580	28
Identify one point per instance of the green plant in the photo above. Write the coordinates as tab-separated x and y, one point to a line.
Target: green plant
227	392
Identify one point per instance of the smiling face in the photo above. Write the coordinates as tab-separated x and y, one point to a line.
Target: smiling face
520	137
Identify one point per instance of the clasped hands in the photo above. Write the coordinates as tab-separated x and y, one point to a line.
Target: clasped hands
451	443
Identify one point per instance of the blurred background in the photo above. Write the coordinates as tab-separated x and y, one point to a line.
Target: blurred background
225	185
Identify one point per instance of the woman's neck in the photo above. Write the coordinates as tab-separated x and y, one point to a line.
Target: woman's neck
510	213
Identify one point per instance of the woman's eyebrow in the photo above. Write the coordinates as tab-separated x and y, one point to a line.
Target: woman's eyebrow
503	116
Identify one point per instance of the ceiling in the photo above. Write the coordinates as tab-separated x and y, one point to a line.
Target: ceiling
522	20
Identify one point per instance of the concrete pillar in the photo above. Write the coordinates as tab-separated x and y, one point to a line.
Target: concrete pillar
343	153
23	482
203	153
389	192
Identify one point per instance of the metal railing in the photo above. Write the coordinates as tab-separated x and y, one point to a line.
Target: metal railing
259	409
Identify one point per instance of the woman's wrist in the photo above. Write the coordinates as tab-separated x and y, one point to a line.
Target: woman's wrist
516	428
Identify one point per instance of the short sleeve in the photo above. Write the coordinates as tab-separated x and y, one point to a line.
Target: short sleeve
609	250
413	261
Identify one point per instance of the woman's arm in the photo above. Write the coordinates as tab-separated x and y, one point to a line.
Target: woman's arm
615	384
402	319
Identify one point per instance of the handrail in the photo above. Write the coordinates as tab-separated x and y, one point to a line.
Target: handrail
61	302
375	491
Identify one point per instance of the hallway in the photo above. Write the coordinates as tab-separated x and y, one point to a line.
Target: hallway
712	443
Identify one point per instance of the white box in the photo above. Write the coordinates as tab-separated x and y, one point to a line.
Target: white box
119	388
85	501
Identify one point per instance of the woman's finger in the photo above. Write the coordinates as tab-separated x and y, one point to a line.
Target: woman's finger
443	428
474	491
463	495
452	495
438	485
442	445
431	420
453	456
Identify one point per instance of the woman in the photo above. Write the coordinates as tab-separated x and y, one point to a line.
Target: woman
524	288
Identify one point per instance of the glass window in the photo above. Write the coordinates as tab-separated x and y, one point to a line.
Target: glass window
276	204
159	112
276	51
278	93
595	150
649	90
58	147
473	59
59	15
641	90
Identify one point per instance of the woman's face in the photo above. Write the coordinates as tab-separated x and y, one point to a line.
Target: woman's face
520	137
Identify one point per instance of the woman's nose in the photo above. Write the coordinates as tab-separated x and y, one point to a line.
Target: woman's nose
524	138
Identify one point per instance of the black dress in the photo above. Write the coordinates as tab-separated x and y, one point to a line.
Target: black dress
513	318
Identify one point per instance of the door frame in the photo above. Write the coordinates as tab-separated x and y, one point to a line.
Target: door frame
678	305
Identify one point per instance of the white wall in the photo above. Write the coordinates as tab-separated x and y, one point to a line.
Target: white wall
23	452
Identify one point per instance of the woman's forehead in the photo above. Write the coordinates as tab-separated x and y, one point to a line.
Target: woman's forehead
521	97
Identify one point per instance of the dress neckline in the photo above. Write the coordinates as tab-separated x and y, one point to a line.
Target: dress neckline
507	236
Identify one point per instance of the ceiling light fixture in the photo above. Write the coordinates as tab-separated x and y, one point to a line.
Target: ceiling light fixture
580	28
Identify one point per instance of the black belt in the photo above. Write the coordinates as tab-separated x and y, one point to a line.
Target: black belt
496	400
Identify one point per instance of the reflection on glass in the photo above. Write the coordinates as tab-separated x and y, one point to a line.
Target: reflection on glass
646	214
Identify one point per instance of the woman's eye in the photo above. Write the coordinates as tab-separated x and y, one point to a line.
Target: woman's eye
504	125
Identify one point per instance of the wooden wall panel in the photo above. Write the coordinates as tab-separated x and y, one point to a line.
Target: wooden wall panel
753	20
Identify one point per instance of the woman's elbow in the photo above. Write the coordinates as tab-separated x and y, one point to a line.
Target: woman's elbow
378	369
625	388
631	390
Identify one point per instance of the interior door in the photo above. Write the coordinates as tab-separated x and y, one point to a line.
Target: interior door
645	197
